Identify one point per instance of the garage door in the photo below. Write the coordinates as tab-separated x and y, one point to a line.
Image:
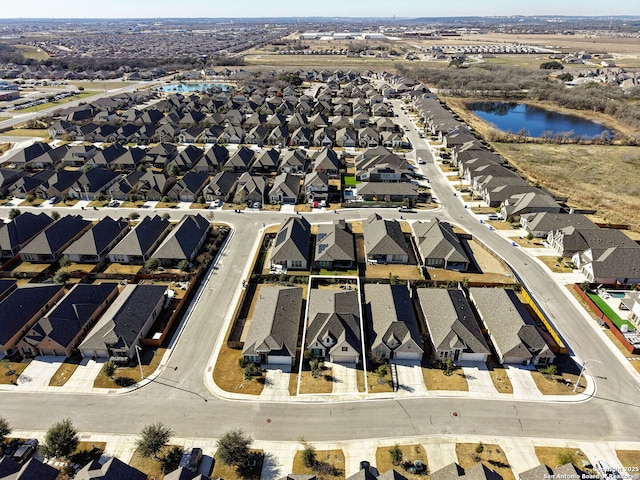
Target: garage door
407	355
343	359
473	357
276	360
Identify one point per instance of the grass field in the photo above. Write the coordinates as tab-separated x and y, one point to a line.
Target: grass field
64	372
32	53
27	132
605	178
62	101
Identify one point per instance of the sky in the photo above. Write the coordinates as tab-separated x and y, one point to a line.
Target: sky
305	8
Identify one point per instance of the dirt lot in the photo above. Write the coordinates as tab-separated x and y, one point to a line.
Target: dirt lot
403	272
490	455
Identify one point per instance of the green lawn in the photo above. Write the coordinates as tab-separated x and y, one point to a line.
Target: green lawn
350	180
609	312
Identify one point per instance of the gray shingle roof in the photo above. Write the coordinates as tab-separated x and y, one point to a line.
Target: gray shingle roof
286	185
292	241
383	237
21	229
23	304
334	242
56	235
275	323
437	240
335	313
392	319
142	238
98	238
451	321
112	469
183	241
71	314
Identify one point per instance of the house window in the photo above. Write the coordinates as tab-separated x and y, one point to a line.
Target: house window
345	349
296	263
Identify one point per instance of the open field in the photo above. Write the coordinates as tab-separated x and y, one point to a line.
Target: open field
605	178
33	53
324	61
27	132
61	102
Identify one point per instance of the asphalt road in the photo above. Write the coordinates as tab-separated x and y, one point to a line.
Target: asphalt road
180	399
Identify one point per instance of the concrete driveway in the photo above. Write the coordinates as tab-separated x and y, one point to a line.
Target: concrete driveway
478	378
39	371
524	388
345	379
84	376
410	380
277	383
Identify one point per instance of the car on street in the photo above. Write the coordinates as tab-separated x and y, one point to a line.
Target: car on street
421	161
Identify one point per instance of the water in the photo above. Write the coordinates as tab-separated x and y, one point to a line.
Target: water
192	87
537	122
617	294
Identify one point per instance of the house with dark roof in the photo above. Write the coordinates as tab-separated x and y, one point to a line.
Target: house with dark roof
540	224
439	246
393	328
32	469
126	186
7	287
153	186
138	245
58	184
454	331
19	231
511	329
95	244
250	188
292	244
213	159
187	158
183	242
333	328
384	241
49	244
184	473
28	184
27	154
388	191
62	329
221	187
266	162
542	471
112	469
92	183
127	320
240	161
106	157
334	246
615	264
327	161
79	155
529	202
189	187
285	189
22	309
273	332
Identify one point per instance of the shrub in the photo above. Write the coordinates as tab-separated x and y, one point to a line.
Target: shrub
565	456
250	371
109	369
479	448
124	381
308	455
396	455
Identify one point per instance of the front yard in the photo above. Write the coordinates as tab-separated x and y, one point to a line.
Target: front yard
10	371
228	375
410	453
64	372
150	359
490	455
329	465
228	472
553	456
436	379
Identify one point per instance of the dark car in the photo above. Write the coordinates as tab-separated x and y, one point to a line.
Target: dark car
191	459
25	451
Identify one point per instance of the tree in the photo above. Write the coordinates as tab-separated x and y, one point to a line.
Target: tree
65	262
152	439
109	369
381	372
5	429
13	213
152	264
396	455
549	371
479	448
134	216
565	456
233	448
173	170
553	65
60	277
55	215
30	198
183	265
308	455
61	440
166	216
448	366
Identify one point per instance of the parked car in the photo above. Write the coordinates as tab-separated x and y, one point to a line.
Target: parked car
25	451
53	200
215	204
191	459
421	161
494	216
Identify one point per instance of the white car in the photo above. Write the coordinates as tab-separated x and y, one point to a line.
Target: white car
215	204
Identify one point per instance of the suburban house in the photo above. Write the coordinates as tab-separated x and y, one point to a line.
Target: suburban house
568	470
610	264
19	231
62	329
327	161
529	202
292	244
393	329
49	244
294	161
285	189
138	245
439	246
184	241
94	245
388	192
220	187
335	247
240	161
316	187
189	187
453	329
569	241
92	183
127	320
333	325
250	188
113	468
540	224
31	469
21	309
384	241
273	332
266	162
152	186
213	159
511	329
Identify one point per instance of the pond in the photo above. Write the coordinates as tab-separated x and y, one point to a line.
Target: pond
535	121
192	87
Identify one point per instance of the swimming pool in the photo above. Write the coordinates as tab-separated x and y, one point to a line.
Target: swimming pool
616	294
